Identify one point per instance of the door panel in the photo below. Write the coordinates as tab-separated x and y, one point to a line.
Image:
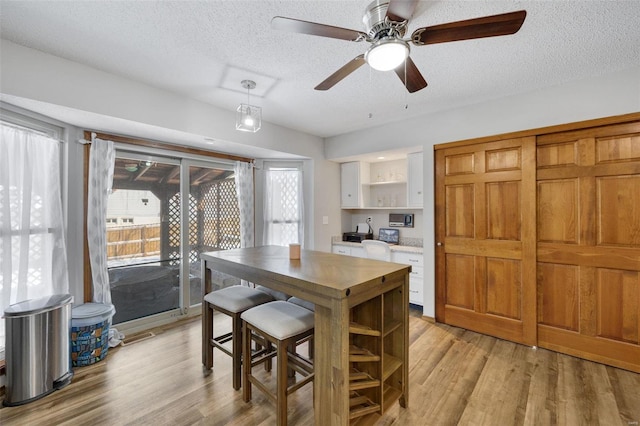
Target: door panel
504	288
588	248
558	289
558	210
460	202
503	210
461	277
618	210
485	268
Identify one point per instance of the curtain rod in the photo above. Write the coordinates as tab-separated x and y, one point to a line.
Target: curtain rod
29	130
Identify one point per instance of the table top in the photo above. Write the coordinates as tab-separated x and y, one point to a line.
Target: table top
326	275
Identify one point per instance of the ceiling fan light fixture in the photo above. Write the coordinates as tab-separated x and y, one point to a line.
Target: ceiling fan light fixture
387	53
248	117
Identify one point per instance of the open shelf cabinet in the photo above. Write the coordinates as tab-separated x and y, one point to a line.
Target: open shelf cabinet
377	348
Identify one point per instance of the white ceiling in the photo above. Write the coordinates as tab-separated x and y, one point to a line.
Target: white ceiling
197	48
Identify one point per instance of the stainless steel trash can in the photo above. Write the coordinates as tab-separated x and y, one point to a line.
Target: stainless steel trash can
37	348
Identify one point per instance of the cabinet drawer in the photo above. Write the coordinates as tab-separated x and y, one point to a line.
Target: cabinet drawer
416	291
342	250
415	259
416	272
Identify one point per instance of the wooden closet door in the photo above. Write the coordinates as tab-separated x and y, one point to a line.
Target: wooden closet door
588	253
485	229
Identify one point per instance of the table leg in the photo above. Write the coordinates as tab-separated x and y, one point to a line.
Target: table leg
331	364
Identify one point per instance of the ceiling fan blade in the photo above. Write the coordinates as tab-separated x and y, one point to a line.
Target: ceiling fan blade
488	26
414	79
401	10
298	26
337	76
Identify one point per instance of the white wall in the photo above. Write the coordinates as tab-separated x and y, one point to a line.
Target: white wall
64	87
602	96
30	74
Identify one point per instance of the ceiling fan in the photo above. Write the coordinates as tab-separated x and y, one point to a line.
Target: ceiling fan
386	23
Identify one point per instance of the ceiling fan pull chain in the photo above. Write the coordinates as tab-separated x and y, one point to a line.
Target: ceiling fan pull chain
406	92
370	91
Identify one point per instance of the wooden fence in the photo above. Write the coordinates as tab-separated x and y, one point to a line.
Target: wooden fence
133	241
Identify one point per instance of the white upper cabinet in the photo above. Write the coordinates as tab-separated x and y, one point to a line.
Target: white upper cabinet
393	184
415	182
352	176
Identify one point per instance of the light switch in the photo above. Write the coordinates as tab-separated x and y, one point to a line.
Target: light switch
325	220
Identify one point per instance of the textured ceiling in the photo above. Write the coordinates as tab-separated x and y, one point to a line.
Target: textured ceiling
191	47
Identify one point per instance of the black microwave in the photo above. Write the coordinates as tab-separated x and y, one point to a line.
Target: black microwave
401	220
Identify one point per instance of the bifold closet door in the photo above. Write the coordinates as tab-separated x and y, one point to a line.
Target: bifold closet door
588	251
485	231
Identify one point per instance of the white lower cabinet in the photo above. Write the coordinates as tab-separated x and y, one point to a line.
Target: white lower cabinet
341	250
358	252
416	278
416	260
349	251
416	286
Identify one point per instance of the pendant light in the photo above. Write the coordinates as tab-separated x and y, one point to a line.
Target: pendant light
248	117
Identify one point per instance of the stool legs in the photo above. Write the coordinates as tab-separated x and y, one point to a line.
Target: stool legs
287	364
246	371
207	335
209	342
237	351
281	382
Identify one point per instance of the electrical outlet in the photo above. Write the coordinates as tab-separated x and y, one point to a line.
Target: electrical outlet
368	219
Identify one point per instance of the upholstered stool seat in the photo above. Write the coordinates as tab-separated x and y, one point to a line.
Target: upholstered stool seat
237	298
283	324
231	301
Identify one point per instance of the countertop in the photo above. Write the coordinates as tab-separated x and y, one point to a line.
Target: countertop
394	248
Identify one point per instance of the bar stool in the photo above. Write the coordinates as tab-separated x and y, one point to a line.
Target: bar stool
310	306
277	295
283	324
231	301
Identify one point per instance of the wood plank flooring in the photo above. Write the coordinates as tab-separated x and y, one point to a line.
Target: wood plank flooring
456	377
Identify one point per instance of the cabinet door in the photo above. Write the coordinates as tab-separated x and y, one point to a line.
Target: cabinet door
350	185
415	180
485	228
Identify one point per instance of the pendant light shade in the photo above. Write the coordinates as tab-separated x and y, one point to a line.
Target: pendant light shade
248	117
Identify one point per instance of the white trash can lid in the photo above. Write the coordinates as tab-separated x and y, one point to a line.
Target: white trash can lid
89	310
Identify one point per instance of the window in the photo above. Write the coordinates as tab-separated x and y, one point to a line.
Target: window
283	204
32	247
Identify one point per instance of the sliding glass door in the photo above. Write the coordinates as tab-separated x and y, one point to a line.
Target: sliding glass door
143	236
155	235
214	221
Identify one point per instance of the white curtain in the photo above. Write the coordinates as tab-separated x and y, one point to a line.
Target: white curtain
244	189
33	260
283	207
102	159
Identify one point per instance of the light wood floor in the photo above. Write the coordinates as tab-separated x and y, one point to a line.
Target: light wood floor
456	377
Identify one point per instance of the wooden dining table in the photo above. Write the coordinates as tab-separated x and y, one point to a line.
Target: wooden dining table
346	291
